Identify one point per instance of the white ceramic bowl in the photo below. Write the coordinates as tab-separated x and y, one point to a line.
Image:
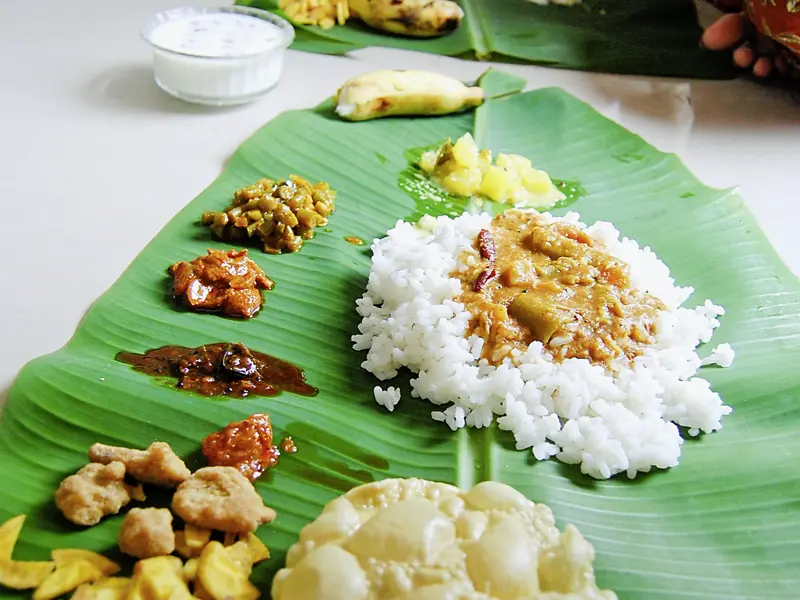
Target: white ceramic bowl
217	56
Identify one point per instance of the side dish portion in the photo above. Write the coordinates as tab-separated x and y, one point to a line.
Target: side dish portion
412	539
465	170
279	214
403	93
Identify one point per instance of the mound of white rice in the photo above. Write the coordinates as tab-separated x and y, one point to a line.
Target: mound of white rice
573	410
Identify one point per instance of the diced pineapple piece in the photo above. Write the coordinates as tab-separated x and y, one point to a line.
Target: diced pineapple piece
513	162
223	578
495	184
485	158
9	532
67	578
241	555
427	161
536	181
160	578
463	182
465	151
24	575
65	556
190	570
112	588
257	548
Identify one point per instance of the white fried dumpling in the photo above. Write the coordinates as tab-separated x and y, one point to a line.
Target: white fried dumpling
404	539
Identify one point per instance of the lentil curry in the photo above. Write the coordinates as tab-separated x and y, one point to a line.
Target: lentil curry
530	280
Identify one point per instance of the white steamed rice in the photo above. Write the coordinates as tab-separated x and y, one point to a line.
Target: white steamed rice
573	410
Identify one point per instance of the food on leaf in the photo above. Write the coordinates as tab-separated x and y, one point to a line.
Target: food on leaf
112	588
280	214
221	498
66	578
246	445
598	367
24	575
9	534
222	577
465	170
160	577
227	282
147	532
66	556
412	538
190	542
403	93
93	493
221	370
258	550
158	464
413	18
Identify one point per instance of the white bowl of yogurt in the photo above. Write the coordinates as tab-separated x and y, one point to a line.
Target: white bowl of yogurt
217	56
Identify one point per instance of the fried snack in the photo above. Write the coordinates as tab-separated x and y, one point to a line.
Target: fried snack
24	575
412	18
93	493
147	532
190	542
221	498
113	588
66	578
159	578
9	533
158	464
222	577
66	556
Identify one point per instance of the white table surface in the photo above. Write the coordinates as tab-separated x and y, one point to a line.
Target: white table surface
87	138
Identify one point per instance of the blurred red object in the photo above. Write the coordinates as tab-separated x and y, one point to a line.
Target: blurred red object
777	19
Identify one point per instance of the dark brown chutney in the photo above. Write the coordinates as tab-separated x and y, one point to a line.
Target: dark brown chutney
221	370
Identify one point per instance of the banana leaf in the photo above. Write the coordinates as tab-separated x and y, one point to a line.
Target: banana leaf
643	37
723	524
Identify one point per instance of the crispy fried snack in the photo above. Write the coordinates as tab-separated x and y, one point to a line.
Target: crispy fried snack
93	492
158	464
221	498
147	532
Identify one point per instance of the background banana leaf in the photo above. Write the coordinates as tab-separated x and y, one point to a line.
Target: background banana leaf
724	524
645	37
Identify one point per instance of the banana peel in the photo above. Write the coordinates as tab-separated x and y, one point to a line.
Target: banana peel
403	93
413	18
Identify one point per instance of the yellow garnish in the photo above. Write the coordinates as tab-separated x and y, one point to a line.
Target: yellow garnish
257	548
65	556
67	578
19	575
324	13
112	588
9	532
222	577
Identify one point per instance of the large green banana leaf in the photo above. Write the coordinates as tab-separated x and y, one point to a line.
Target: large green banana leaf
645	37
724	524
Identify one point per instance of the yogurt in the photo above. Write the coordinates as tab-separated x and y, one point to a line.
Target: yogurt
217	56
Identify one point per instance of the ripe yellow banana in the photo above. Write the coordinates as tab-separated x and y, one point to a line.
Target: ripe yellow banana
386	93
415	18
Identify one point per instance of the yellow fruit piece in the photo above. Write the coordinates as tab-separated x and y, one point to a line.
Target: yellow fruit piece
65	556
221	577
463	182
485	159
67	578
159	578
241	555
257	548
200	592
190	570
196	537
9	533
465	151
513	162
536	182
112	588
427	161
24	575
495	184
